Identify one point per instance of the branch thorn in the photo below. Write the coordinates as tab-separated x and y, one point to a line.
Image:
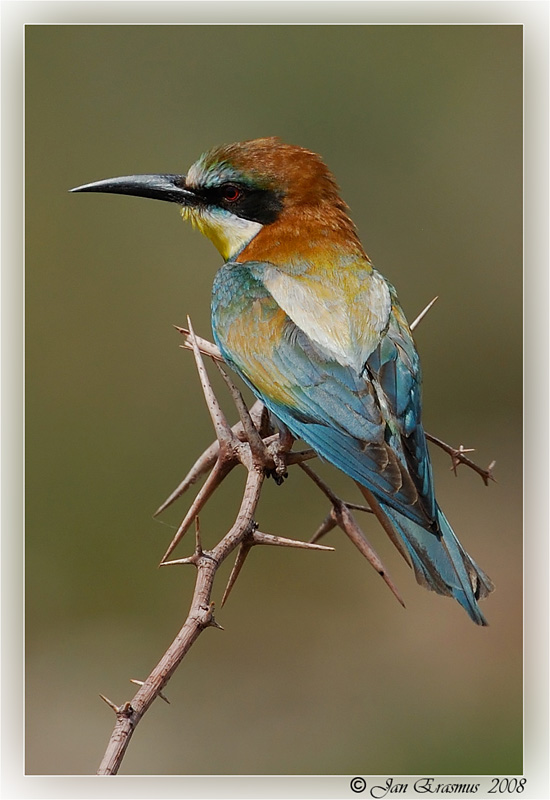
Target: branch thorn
110	703
243	551
159	694
206	617
125	709
328	524
223	431
422	314
280	541
344	519
206	347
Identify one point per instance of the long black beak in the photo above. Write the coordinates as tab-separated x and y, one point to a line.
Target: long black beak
158	187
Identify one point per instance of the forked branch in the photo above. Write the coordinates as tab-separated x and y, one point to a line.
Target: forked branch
253	444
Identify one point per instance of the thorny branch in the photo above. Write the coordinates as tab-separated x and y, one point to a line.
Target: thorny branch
253	443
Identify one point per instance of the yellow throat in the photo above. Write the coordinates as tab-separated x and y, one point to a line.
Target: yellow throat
228	233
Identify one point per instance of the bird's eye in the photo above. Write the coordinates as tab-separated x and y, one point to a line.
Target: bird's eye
231	193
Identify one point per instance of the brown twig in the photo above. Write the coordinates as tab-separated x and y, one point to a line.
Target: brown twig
342	517
200	617
458	457
233	446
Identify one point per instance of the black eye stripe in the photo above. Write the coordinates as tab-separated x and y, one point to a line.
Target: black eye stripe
257	205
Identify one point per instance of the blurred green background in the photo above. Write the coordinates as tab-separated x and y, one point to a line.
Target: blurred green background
319	670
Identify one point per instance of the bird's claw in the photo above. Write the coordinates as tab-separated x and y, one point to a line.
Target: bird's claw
278	451
279	474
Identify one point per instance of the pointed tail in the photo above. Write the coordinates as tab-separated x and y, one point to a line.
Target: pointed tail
439	561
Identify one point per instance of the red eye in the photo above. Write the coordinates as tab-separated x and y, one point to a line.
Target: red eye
231	193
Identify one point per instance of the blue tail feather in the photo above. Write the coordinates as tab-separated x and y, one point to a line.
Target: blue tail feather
440	562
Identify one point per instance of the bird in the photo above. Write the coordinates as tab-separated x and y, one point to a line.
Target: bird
317	332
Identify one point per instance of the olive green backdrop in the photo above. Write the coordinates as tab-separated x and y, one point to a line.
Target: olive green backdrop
319	670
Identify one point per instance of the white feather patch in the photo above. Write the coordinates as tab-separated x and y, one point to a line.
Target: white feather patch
344	327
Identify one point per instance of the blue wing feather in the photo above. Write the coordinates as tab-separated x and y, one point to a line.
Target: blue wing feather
367	424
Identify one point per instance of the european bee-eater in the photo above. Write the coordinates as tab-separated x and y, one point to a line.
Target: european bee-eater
300	313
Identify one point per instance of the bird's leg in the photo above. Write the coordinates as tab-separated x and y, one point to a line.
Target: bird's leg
280	451
286	439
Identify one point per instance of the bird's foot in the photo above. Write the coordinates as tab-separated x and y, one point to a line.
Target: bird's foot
279	474
279	451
